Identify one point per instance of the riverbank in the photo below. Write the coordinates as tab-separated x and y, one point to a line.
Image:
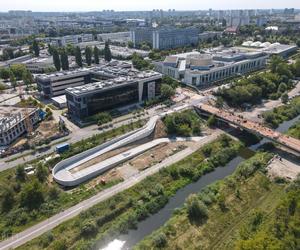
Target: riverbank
239	212
118	214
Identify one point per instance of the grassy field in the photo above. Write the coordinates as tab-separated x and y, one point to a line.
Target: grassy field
122	212
17	217
240	208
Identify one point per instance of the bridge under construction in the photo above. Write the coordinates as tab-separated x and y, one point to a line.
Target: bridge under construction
251	126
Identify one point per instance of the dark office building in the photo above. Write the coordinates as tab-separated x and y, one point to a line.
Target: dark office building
90	99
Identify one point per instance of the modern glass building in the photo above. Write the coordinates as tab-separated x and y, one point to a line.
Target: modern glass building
90	99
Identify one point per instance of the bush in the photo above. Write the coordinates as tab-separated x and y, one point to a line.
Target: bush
88	229
20	173
183	124
41	173
7	199
32	195
46	239
160	240
197	210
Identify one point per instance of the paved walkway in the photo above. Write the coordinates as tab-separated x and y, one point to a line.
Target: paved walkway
46	225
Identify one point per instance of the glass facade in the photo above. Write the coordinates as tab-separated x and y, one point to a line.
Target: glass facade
112	98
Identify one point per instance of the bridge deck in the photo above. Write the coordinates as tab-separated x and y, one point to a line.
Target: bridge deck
254	127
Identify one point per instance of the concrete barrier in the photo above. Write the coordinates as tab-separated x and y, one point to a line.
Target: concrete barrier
61	172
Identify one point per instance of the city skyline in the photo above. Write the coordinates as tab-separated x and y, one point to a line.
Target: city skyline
131	5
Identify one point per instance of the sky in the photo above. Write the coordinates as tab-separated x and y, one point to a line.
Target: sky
99	5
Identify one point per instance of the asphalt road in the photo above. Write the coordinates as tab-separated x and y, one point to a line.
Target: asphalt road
46	225
72	138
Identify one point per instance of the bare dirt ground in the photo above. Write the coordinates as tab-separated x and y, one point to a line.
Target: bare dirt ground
157	154
100	158
109	176
158	133
47	129
283	168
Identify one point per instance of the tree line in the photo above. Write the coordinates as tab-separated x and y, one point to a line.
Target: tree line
60	55
271	84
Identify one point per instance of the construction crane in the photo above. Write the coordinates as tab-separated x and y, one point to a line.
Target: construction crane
27	120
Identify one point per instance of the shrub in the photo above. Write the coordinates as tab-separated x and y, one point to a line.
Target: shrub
32	195
160	240
197	210
88	229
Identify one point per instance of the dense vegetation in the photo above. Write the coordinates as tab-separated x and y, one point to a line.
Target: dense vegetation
282	113
294	131
16	72
267	85
26	199
185	123
123	211
140	63
243	211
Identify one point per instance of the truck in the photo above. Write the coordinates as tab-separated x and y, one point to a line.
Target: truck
62	148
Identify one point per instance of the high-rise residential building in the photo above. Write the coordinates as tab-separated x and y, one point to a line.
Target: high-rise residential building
165	38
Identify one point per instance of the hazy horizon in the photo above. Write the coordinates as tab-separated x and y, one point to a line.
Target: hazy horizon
140	5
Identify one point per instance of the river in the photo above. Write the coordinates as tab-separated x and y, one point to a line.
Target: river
153	222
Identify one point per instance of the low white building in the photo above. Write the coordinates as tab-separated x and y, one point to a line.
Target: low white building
199	69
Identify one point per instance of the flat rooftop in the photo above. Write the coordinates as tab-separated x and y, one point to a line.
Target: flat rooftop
114	67
106	84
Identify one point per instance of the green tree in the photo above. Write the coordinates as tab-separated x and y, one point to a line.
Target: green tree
107	52
88	229
4	73
167	91
41	173
219	102
12	79
160	240
130	44
70	49
197	210
20	173
56	59
32	195
282	87
78	57
64	60
211	121
275	61
96	55
36	48
7	199
284	98
53	193
27	78
88	55
18	70
50	49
